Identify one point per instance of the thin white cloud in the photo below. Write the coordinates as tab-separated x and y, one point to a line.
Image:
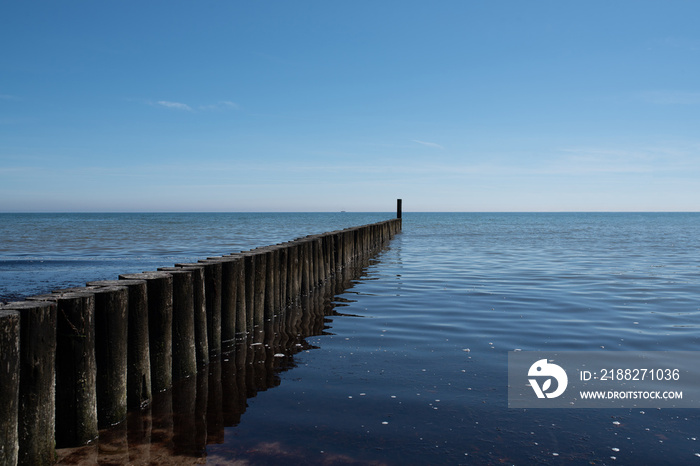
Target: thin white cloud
428	144
174	105
671	97
221	105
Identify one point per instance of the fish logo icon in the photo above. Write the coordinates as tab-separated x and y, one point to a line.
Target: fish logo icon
542	368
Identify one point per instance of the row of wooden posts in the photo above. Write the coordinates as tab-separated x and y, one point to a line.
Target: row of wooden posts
74	361
181	422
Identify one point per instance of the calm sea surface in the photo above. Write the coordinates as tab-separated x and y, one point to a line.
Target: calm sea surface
409	364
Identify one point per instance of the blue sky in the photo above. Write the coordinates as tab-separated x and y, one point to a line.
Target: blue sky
340	105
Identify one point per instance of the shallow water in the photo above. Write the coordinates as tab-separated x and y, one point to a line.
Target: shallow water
395	385
390	381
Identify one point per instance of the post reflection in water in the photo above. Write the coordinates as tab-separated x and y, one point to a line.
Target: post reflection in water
177	427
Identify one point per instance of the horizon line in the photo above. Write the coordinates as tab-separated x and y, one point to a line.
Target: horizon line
350	212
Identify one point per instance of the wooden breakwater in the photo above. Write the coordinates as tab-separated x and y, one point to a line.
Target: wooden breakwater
74	361
179	424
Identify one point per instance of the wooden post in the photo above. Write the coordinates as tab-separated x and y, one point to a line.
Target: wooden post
138	354
305	260
293	273
259	288
398	208
229	292
160	326
283	265
184	353
76	395
271	280
212	276
9	386
314	244
111	326
200	311
328	256
37	378
249	281
238	274
348	246
337	252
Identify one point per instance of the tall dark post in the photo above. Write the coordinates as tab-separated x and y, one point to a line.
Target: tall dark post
199	292
183	344
398	208
37	379
138	353
159	287
9	386
111	326
76	394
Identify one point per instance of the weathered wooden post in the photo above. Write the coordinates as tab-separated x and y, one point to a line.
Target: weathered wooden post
184	352
315	261
138	354
241	305
359	243
293	272
310	262
9	386
357	247
212	276
111	327
259	288
349	248
37	377
271	279
249	277
283	265
328	256
160	326
305	261
337	251
76	394
229	297
200	311
398	208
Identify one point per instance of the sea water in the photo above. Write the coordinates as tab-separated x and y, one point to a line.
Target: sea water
411	367
40	252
